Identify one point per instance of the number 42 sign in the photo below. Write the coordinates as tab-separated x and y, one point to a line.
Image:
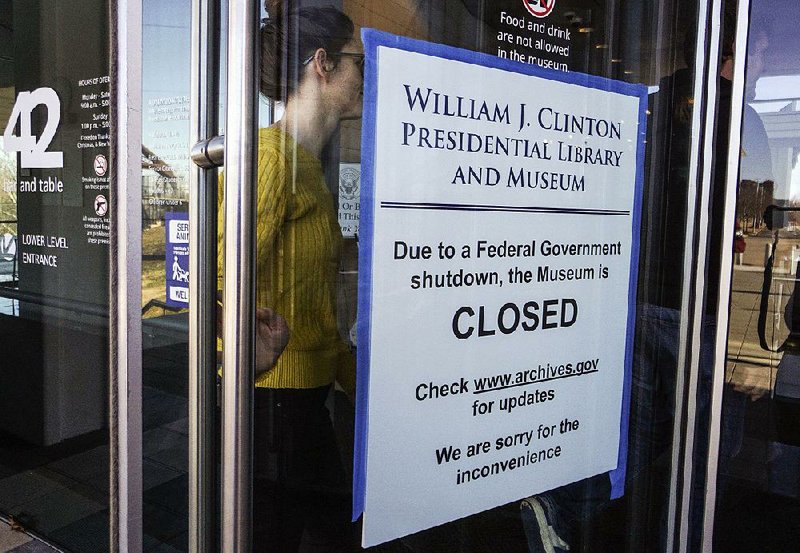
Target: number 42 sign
33	149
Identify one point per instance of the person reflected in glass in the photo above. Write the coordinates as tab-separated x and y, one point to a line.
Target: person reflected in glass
311	61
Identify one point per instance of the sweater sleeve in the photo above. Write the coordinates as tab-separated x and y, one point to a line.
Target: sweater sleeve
271	211
271	208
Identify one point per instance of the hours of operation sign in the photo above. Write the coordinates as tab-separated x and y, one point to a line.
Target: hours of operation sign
499	226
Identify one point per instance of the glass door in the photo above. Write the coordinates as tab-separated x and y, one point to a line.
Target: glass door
165	86
181	105
756	492
296	414
282	438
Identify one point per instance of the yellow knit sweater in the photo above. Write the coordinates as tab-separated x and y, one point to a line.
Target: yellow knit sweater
298	244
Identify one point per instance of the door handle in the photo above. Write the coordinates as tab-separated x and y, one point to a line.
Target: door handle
209	153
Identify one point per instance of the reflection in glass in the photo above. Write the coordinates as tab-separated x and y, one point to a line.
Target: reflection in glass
758	485
166	33
643	42
54	237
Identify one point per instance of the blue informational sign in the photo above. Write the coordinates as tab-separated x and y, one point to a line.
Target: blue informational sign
177	260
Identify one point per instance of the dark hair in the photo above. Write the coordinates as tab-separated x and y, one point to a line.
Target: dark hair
289	37
759	27
728	46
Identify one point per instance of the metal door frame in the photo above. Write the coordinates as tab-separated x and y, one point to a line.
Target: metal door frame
204	100
125	286
685	438
238	381
125	396
696	244
726	276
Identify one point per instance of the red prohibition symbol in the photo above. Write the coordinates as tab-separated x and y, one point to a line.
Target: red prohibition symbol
539	8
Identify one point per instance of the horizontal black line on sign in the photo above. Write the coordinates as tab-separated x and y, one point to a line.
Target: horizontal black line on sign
505	208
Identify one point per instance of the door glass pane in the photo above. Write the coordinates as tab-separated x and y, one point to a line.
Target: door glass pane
309	225
54	259
757	484
165	262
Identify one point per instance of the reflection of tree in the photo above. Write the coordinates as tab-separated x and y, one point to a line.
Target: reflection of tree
8	194
150	160
753	199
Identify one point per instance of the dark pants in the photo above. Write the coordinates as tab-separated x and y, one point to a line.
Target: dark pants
301	500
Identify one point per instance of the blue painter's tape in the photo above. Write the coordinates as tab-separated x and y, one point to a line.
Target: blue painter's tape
366	233
617	476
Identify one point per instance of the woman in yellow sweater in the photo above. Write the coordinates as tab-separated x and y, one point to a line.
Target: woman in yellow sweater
311	61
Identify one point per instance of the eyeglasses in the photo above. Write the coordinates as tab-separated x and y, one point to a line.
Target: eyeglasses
357	58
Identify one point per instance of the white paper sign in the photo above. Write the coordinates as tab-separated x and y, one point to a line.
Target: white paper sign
498	252
178	231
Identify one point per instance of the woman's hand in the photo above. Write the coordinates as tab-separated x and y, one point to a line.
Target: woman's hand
272	335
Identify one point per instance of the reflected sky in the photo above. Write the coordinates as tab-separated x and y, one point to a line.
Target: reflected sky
777	91
166	70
